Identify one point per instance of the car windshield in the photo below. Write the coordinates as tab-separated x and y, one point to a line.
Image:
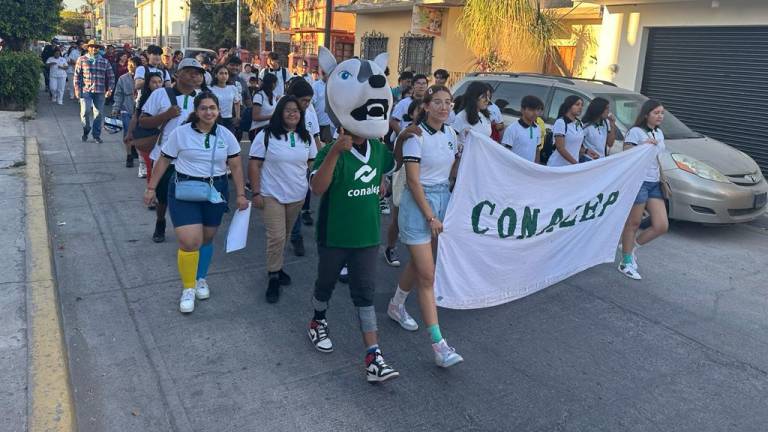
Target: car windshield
625	107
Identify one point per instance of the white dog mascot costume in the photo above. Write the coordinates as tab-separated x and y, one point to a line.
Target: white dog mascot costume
358	100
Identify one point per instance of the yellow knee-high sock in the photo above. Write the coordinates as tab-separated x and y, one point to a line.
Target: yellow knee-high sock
187	262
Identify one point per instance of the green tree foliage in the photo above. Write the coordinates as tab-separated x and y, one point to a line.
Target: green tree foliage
266	14
23	72
72	24
22	21
214	24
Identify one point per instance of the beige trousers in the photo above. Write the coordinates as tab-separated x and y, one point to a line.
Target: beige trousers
278	220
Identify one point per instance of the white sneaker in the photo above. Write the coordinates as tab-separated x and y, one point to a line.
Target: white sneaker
201	289
400	315
142	168
445	356
634	253
630	271
187	302
318	334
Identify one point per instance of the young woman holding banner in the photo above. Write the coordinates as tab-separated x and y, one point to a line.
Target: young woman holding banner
430	160
568	133
651	196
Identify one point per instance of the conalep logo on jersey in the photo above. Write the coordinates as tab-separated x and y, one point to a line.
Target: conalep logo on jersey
365	173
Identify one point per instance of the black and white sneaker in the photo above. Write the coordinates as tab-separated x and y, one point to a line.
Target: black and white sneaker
318	334
390	254
377	370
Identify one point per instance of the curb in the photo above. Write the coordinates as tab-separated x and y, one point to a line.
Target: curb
50	408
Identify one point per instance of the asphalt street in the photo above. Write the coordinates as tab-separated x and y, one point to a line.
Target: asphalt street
686	349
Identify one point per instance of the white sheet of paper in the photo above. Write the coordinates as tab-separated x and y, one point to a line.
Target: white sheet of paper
237	236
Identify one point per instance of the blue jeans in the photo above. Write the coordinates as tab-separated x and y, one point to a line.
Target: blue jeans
91	112
414	229
125	117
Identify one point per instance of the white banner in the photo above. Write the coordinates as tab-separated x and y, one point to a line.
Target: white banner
514	227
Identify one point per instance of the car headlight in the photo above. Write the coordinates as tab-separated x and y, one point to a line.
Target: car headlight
698	168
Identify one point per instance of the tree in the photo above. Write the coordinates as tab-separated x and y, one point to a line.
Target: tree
500	31
72	24
22	22
265	13
214	24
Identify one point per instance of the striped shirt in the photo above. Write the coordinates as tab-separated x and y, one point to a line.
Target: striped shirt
93	77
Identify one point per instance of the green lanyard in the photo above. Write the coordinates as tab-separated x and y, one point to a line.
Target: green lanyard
293	139
207	142
186	99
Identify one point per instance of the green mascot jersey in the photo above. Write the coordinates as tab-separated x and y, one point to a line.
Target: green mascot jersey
349	209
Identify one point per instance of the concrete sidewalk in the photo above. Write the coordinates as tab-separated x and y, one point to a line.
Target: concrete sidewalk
684	350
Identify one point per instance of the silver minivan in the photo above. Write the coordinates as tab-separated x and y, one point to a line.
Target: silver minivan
711	182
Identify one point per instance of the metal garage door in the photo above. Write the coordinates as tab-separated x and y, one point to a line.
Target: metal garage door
715	79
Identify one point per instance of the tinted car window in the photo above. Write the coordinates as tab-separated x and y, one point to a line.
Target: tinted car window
557	99
509	94
625	107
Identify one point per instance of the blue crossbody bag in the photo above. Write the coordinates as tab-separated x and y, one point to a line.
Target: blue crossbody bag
199	191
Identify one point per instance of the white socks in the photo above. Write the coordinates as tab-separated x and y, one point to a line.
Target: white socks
400	296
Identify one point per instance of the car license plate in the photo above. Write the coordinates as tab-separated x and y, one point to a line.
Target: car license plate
760	200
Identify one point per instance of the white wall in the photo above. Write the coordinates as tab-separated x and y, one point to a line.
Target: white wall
624	34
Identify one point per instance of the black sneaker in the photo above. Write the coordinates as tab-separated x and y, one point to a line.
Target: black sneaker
377	370
273	290
283	277
159	235
306	218
390	254
344	275
98	140
84	138
129	161
298	247
318	334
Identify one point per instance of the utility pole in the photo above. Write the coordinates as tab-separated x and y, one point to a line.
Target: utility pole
160	35
328	19
237	30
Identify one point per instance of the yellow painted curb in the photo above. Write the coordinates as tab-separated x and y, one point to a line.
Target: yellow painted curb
50	396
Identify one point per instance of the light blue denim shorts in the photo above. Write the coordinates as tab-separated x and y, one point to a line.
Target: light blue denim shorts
414	229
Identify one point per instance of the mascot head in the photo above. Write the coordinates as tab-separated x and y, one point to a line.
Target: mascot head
357	95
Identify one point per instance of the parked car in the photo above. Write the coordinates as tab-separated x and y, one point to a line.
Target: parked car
193	52
711	182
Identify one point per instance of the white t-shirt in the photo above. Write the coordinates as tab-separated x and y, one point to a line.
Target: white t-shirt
460	124
596	136
284	172
141	71
53	66
208	78
318	103
642	136
311	122
187	146
522	139
282	75
73	56
401	109
573	134
434	151
228	97
267	108
158	103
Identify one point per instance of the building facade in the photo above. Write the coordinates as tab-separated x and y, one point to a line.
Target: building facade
169	18
705	60
307	26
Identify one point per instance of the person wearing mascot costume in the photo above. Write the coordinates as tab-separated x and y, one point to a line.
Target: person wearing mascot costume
349	174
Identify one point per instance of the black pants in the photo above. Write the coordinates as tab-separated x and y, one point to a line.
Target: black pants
362	271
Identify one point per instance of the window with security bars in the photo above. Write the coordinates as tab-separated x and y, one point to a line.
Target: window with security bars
373	44
416	53
344	50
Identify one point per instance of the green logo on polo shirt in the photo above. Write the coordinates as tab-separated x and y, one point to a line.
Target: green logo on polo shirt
365	173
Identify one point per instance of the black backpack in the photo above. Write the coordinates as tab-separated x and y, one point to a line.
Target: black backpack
548	147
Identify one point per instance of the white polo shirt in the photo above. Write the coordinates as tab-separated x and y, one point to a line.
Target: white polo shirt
401	109
158	103
460	124
267	108
228	97
191	150
311	122
142	71
522	139
573	133
434	151
284	172
282	75
642	136
596	136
